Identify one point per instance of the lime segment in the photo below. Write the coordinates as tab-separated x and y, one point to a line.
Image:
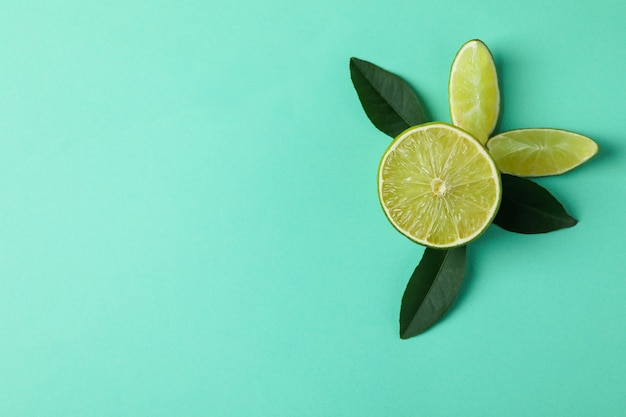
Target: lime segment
540	152
473	90
438	185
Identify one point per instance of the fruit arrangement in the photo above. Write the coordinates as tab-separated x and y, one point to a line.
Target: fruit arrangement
443	184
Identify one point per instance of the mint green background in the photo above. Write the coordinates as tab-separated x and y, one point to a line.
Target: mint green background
189	223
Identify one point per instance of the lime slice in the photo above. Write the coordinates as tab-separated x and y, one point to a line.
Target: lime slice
438	185
540	152
473	90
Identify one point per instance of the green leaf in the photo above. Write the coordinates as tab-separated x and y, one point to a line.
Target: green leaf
529	208
388	100
431	289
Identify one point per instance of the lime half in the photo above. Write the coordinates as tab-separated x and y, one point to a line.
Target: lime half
438	185
473	90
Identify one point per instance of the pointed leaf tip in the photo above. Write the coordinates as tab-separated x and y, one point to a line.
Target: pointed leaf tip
431	290
529	208
389	102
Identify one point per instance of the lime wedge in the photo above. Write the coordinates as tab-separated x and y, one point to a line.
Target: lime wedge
540	152
438	185
473	90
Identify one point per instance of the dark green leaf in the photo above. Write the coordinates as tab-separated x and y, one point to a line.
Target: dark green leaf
389	102
431	289
529	208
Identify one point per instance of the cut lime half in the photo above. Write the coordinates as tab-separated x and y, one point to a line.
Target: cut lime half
438	185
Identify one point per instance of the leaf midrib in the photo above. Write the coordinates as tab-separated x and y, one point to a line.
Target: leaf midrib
532	208
409	124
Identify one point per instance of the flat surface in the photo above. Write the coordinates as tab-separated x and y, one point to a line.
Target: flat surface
190	225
